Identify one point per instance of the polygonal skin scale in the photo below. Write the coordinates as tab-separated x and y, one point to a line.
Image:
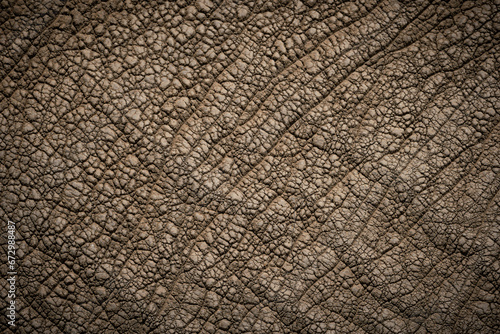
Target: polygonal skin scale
251	166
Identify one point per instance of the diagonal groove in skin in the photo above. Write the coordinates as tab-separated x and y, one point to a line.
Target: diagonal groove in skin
279	74
39	36
347	174
436	201
476	285
276	142
301	116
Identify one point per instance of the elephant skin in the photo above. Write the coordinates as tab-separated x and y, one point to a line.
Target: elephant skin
251	166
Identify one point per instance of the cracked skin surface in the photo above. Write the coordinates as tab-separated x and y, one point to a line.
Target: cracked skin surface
252	167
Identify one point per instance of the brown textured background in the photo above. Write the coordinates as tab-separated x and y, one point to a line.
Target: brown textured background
252	167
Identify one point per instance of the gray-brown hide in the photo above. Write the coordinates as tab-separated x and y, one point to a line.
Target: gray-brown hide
251	166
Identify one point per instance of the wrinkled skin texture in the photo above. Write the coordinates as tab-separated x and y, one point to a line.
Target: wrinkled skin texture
252	167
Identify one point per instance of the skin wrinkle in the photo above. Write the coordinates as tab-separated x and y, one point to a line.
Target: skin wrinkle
211	166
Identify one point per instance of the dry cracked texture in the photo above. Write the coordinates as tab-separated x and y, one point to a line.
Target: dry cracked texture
252	166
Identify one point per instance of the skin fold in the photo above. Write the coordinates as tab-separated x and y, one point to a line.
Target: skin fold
251	166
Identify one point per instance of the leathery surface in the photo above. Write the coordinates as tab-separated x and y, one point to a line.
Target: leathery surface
252	166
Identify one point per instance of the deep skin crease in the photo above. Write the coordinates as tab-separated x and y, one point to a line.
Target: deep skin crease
250	166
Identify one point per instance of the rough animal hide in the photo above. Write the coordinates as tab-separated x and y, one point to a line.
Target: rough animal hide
251	166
